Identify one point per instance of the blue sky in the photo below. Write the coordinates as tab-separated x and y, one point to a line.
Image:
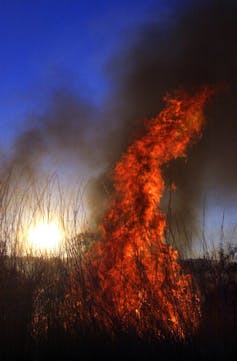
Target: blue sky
49	43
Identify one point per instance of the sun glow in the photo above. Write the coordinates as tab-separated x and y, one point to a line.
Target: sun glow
45	237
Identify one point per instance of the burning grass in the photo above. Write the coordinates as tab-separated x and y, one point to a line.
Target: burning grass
124	282
140	282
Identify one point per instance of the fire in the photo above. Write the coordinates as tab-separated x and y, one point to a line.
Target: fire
141	284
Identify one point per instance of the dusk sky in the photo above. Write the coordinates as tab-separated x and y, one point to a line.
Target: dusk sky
78	76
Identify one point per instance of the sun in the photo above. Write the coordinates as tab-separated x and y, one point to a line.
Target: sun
45	237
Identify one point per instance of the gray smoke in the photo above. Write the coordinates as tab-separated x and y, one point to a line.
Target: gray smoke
193	45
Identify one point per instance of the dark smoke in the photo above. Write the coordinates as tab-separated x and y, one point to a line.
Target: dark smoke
191	44
196	47
65	130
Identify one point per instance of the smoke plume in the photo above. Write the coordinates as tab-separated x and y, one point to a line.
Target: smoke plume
190	44
194	45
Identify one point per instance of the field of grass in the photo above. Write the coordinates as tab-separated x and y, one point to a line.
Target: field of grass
36	309
47	309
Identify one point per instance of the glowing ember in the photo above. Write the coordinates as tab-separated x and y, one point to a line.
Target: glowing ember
141	284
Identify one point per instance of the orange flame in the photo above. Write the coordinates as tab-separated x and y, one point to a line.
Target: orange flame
141	284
